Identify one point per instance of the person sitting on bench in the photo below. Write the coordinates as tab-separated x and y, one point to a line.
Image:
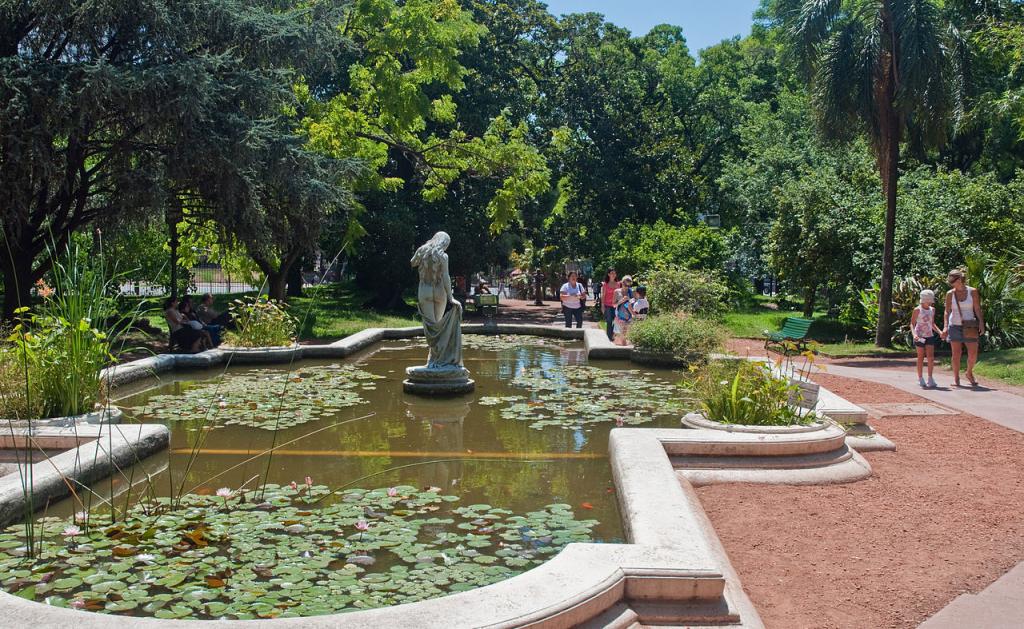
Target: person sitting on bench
209	315
183	334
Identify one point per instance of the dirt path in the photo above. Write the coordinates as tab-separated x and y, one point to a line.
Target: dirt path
941	516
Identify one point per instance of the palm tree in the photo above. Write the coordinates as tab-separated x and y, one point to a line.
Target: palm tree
885	68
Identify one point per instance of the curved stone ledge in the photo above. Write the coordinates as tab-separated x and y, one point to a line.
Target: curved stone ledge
260	355
701	442
697	420
854	468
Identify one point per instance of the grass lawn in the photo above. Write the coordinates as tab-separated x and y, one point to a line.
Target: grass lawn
1006	365
861	348
752	322
336	312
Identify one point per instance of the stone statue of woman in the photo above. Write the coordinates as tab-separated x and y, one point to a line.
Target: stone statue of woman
442	323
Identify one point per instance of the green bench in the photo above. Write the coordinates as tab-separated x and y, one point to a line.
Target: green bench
487	304
794	330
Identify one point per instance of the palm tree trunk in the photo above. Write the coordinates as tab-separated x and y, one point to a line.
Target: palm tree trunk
888	164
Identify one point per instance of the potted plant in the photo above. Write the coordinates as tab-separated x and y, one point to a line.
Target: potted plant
674	340
752	395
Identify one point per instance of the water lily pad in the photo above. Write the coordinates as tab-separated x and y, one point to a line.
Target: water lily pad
632	397
262	398
275	553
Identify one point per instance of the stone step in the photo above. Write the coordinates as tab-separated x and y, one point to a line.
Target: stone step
619	616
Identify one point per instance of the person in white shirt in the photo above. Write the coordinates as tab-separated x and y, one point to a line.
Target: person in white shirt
965	323
640	304
574	300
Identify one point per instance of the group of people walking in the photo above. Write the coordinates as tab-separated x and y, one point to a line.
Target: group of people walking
963	325
195	328
621	303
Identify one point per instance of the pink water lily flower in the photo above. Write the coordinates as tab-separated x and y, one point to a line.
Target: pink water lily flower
363	525
81	517
71	531
309	481
76	603
392	492
224	492
293	485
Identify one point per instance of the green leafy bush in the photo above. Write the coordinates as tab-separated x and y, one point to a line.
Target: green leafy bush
906	295
1000	285
701	293
16	401
748	394
685	337
262	322
636	248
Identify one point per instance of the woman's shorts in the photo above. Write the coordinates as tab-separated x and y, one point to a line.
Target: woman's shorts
932	340
956	335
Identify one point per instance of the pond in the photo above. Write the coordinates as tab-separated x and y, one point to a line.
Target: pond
373	497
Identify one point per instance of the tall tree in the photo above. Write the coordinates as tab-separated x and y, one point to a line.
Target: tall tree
884	68
117	106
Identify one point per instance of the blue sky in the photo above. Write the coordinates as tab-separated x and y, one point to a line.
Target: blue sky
704	22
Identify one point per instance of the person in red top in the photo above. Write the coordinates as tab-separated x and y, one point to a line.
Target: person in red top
608	289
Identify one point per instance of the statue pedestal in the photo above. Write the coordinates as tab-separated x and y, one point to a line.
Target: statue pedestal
425	380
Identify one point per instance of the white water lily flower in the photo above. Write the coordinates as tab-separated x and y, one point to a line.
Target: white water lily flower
224	492
81	517
145	557
71	531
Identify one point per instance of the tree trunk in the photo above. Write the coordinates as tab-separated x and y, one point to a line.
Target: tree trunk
809	301
276	283
888	165
295	280
173	216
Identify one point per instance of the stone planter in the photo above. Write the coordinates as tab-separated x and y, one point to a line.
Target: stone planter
699	420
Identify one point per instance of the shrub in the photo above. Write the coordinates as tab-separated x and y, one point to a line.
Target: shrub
66	342
685	337
906	295
15	400
1001	288
701	293
747	394
262	322
635	248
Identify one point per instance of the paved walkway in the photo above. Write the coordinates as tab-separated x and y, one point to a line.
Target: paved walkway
995	405
999	606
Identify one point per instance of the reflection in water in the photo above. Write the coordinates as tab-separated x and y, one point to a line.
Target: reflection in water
445	419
